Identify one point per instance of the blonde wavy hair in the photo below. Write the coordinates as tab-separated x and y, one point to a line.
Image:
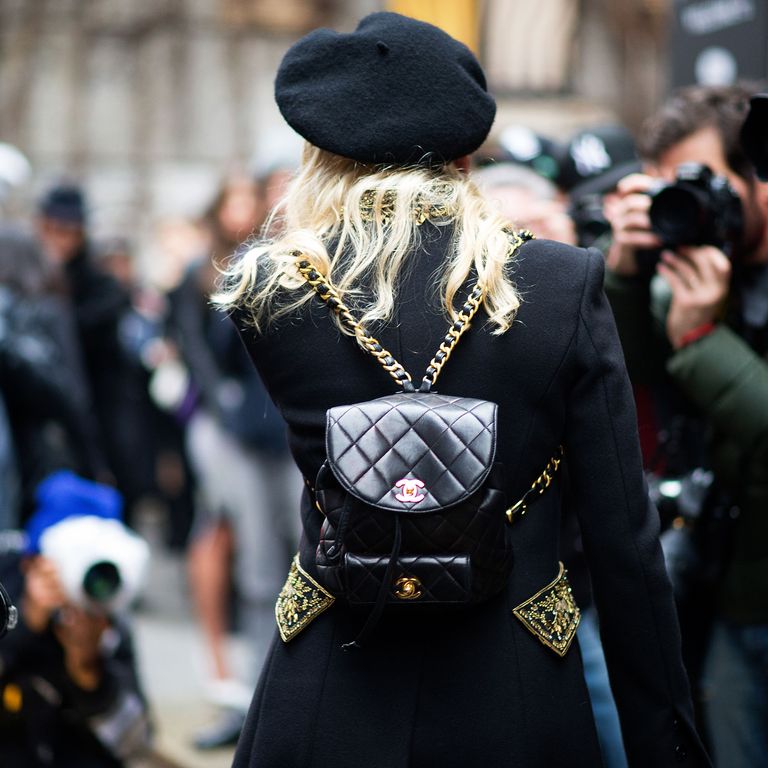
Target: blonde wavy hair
358	225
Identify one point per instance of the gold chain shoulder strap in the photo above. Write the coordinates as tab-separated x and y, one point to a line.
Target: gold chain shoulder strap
331	297
539	485
371	345
455	332
465	315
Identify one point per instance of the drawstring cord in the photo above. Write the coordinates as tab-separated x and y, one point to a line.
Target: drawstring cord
381	599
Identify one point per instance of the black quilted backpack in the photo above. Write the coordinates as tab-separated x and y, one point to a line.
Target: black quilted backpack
412	497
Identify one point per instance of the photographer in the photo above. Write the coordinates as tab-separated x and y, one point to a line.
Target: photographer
69	693
692	311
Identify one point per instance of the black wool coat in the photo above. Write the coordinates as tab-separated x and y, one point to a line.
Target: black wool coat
475	688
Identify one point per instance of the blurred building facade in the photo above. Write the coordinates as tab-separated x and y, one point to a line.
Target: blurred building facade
149	102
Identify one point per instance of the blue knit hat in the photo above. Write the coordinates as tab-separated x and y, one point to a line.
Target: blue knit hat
63	495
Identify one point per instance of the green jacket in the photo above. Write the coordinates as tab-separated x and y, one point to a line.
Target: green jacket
728	381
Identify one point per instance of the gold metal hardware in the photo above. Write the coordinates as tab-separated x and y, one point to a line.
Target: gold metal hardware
331	296
514	509
365	340
455	332
539	485
300	602
551	615
408	588
381	206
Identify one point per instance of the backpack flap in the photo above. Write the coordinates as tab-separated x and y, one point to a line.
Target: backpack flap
412	452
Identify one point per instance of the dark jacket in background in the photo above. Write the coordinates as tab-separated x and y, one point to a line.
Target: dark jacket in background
475	688
219	366
724	381
117	387
44	391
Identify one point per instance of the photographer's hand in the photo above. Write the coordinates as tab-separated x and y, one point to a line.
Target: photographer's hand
627	212
80	636
43	593
699	278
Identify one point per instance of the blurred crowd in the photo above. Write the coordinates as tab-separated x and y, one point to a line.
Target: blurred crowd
116	390
112	384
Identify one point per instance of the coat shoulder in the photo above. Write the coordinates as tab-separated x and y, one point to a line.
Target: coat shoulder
547	273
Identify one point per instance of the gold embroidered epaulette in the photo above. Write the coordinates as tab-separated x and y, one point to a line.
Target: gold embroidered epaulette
301	601
552	614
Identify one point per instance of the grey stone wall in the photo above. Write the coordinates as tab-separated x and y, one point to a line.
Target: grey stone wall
149	102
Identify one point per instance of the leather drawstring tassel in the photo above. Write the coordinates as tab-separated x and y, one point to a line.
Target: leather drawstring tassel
381	599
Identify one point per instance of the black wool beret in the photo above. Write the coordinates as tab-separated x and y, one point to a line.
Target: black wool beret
395	90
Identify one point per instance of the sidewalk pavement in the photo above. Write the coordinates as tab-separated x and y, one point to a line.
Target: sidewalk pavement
172	661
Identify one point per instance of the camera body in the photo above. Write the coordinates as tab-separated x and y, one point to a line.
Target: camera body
698	520
9	615
101	563
589	219
698	208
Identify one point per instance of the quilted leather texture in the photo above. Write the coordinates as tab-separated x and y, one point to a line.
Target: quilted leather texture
412	452
445	579
353	533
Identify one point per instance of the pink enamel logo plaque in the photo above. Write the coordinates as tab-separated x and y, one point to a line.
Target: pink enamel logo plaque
408	490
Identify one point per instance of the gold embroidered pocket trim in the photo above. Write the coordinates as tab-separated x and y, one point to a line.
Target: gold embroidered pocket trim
300	602
552	615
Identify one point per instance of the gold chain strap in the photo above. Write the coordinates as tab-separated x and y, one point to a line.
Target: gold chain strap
539	485
371	345
364	339
466	313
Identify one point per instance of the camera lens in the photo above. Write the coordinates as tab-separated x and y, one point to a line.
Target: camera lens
102	581
677	215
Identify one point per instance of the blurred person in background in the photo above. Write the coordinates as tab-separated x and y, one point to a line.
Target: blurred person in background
69	691
139	327
528	199
179	243
247	484
98	303
594	151
42	381
693	319
579	172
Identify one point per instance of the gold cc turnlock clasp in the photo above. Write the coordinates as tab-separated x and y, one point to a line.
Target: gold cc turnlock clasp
408	588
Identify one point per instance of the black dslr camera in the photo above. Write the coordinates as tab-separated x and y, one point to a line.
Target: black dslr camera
8	613
698	208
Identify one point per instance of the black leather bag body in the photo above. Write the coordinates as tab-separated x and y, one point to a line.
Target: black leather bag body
411	494
413	502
